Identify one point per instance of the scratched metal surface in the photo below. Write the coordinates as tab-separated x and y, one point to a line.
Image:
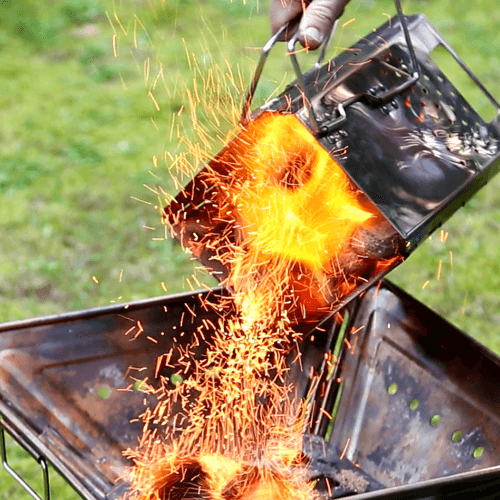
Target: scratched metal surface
55	371
67	386
420	398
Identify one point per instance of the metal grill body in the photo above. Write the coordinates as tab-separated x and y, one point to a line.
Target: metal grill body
75	402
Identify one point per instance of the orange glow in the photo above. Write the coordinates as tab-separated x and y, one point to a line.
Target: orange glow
296	201
218	478
281	216
291	236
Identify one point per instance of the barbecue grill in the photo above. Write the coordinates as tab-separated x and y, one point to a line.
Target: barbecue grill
416	413
415	403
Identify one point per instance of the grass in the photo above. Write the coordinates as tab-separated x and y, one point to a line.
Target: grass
77	140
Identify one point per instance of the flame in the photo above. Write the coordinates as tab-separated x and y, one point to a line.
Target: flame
232	429
296	201
215	477
284	220
296	235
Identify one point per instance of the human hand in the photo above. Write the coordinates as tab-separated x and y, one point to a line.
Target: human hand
313	19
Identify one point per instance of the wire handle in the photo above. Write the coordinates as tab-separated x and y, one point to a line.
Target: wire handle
317	128
262	61
39	458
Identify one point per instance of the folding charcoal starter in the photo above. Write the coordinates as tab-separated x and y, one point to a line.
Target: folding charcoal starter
415	402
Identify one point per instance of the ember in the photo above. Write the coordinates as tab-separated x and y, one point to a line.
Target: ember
274	202
291	235
214	477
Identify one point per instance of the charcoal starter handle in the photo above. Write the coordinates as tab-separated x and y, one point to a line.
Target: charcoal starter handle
320	128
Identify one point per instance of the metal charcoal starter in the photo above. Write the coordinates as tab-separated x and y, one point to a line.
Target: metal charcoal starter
412	148
406	405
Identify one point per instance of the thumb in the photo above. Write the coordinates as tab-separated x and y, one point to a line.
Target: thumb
286	11
318	21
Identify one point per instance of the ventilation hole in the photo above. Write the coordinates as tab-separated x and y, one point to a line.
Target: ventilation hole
140	386
176	379
295	173
424	90
435	420
414	404
456	436
326	483
478	452
393	388
104	392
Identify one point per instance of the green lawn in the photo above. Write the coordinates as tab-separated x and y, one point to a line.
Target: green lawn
79	221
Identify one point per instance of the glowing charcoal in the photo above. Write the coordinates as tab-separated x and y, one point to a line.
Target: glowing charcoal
275	206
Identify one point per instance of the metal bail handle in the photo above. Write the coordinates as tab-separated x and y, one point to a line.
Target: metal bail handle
319	128
262	61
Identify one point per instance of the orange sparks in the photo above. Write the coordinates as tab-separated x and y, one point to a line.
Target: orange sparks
277	220
326	414
155	102
275	205
344	451
443	236
438	273
347	23
115	45
94	279
297	202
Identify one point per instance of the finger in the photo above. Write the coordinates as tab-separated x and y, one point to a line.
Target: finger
286	11
318	21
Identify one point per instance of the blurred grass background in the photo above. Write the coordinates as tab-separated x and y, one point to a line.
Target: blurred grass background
78	132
